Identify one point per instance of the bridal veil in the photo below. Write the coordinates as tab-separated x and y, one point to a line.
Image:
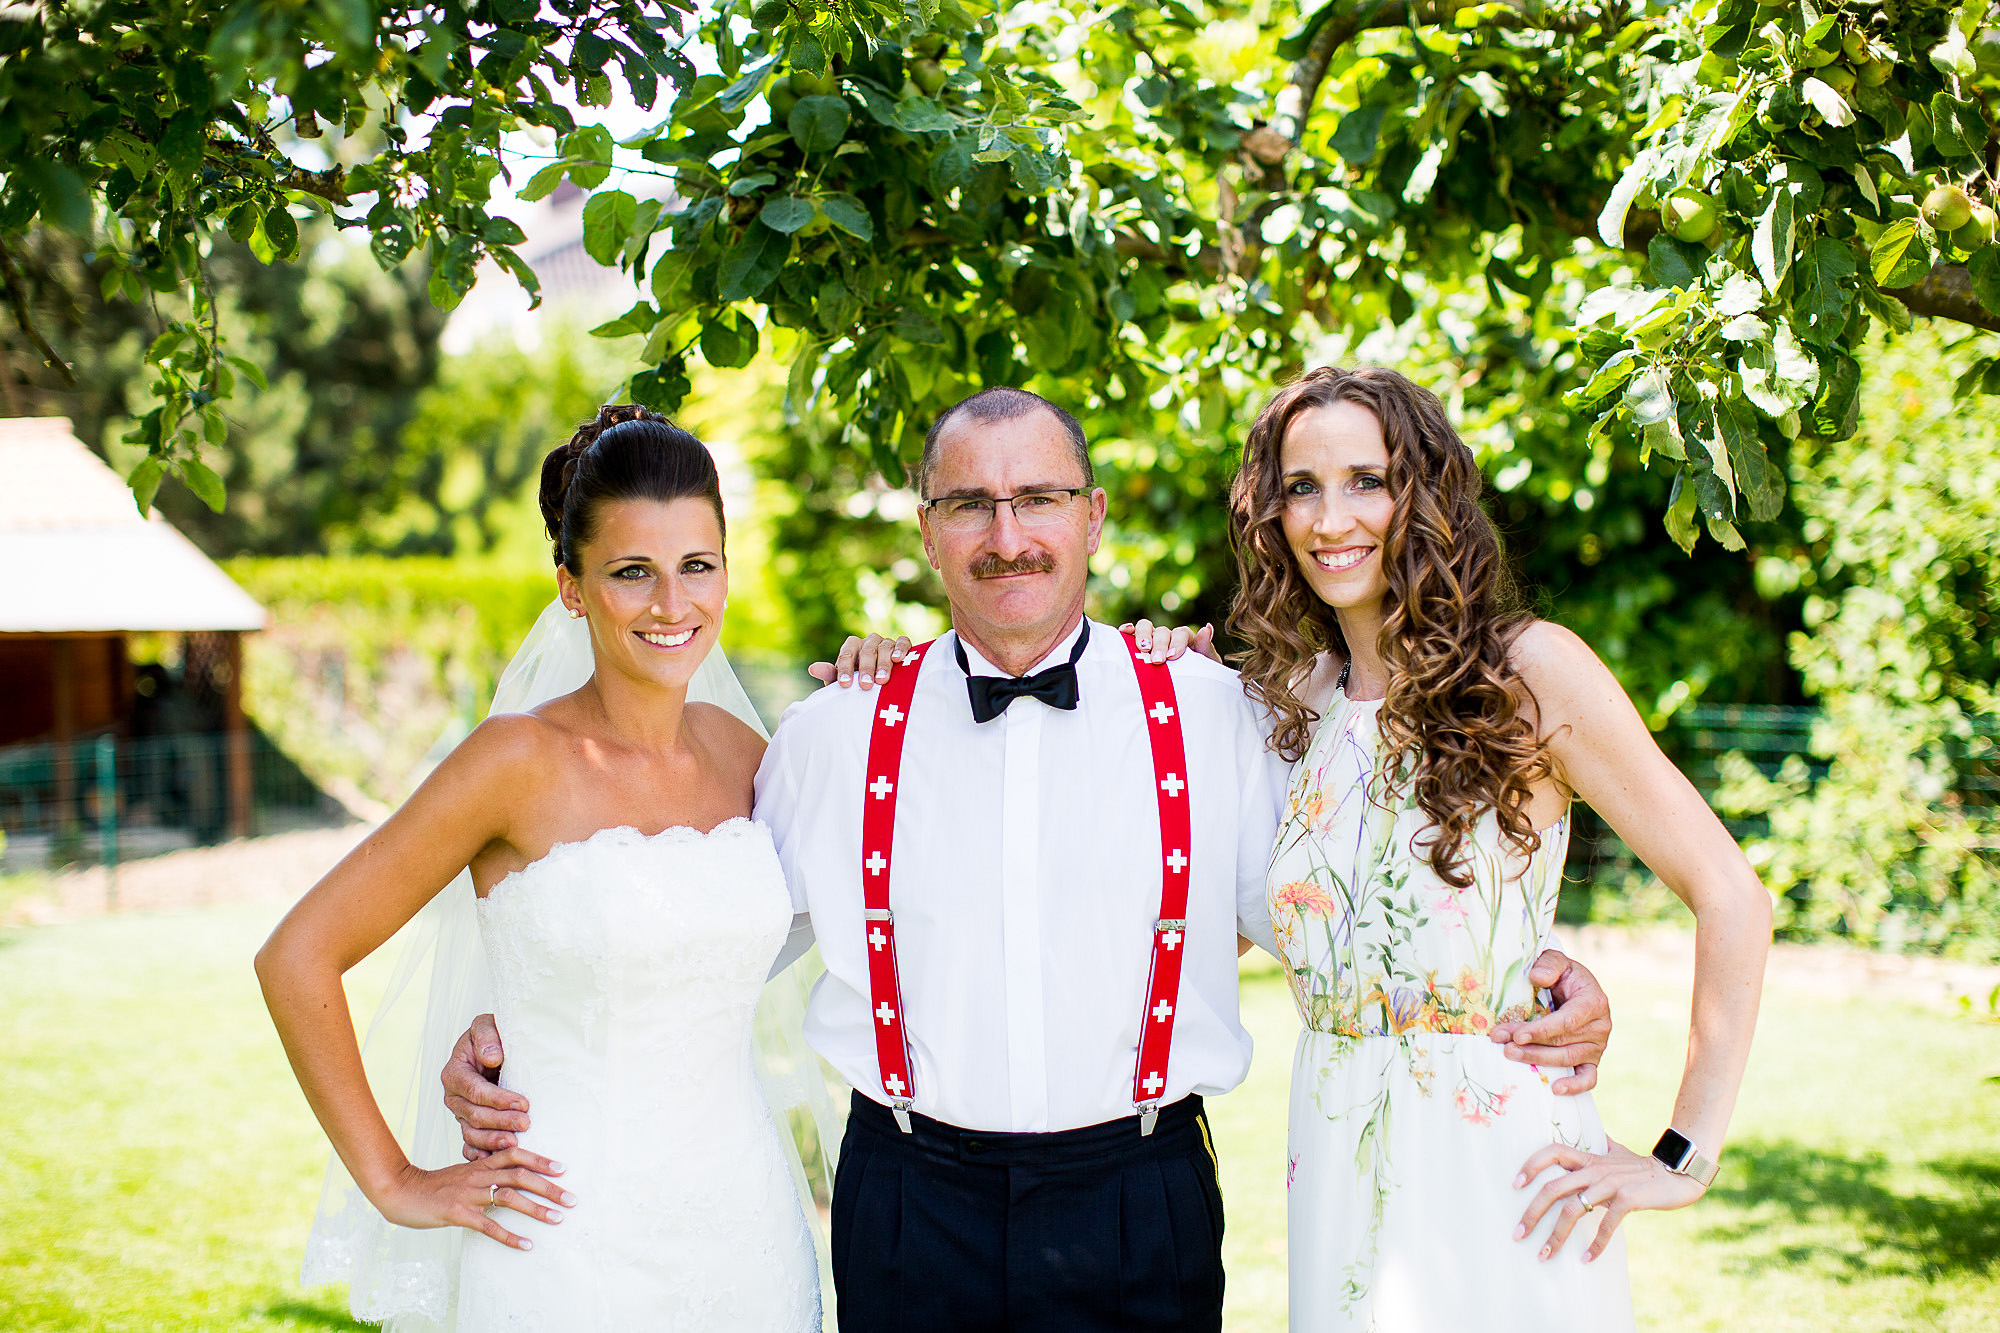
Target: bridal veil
409	1278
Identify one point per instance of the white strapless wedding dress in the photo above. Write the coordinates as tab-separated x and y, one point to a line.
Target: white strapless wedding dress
626	972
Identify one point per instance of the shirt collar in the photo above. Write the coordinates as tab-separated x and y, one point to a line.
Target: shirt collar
979	666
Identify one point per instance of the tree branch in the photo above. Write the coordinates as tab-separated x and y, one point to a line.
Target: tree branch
17	297
1946	293
1301	91
328	185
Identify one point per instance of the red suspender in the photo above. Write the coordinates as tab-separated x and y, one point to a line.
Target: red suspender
878	840
878	845
1163	987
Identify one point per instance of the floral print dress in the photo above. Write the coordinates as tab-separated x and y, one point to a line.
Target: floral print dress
1407	1123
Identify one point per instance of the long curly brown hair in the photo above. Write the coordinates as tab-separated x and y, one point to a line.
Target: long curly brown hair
1453	725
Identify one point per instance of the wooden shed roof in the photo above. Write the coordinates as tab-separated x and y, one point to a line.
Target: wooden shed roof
76	557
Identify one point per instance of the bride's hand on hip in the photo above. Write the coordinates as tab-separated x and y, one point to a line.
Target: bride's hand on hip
864	662
464	1196
1617	1180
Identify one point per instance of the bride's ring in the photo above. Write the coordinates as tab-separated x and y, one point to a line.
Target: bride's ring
1587	1204
493	1195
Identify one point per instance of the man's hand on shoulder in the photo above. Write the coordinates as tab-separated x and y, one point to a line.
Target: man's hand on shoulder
488	1115
1573	1036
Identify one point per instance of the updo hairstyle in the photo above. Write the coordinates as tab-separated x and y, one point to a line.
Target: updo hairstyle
627	453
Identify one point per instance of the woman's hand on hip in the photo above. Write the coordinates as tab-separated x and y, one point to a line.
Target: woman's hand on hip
466	1195
1618	1180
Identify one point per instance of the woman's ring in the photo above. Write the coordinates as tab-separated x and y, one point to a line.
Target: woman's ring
1587	1204
493	1195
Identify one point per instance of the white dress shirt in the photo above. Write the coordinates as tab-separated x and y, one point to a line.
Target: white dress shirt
1026	884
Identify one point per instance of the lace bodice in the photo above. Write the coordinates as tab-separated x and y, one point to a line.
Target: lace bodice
626	972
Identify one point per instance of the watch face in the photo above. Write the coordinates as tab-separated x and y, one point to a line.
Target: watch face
1673	1149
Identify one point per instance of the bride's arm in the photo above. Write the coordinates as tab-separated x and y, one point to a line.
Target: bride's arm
1604	753
460	810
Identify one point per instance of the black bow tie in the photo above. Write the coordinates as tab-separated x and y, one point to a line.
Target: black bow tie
1055	687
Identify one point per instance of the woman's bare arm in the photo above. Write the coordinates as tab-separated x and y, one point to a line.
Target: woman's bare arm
463	808
1603	752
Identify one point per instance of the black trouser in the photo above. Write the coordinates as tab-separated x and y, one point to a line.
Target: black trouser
948	1230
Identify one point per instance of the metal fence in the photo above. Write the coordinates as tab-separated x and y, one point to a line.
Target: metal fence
1696	739
106	798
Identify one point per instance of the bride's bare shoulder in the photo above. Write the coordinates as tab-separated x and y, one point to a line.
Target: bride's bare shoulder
732	739
513	742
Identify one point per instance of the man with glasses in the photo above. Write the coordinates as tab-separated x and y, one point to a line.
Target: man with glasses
994	937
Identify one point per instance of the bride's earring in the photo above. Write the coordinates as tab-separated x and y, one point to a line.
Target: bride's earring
575	614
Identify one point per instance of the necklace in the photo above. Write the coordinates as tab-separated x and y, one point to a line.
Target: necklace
1345	668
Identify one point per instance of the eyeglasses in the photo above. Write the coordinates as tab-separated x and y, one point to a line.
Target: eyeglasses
1032	509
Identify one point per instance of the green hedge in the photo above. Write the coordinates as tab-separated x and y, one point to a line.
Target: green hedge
370	660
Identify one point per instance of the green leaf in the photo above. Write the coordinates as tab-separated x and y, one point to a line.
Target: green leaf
543	183
1828	103
1610	377
201	479
281	229
818	123
1758	479
919	327
250	370
1958	126
1673	263
847	213
590	149
1611	221
1295	43
502	231
522	274
1835	413
786	213
1356	136
1984	269
1771	241
1902	253
145	482
729	342
751	264
663	389
920	115
1650	398
443	295
183	140
607	220
743	185
242	222
58	192
1681	511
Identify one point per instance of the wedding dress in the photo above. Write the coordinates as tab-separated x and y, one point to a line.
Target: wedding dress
665	1145
626	973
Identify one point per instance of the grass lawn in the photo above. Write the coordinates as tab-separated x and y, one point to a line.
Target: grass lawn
165	1166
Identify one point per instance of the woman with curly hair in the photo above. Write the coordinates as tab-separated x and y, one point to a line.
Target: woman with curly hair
1439	734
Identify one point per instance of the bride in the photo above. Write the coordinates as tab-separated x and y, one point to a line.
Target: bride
630	912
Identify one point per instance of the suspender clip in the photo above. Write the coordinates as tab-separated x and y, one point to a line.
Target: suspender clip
1171	923
1149	1115
879	914
900	1108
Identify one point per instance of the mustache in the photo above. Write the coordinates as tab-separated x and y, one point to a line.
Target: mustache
991	566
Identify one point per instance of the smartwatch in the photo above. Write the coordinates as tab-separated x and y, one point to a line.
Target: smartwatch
1676	1151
